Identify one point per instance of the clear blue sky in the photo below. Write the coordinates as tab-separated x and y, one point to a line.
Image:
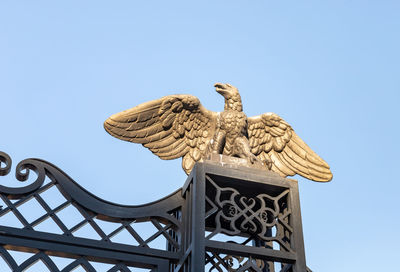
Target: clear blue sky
329	68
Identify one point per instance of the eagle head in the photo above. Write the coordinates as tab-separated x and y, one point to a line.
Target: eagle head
231	95
226	90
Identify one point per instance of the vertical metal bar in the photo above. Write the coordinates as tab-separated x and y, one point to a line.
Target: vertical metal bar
198	220
297	240
269	265
188	223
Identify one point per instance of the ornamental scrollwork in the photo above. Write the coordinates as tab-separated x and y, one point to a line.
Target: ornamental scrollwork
264	217
233	263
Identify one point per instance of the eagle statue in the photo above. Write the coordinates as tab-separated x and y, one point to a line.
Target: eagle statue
179	126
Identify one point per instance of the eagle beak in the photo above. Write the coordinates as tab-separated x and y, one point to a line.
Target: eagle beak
221	88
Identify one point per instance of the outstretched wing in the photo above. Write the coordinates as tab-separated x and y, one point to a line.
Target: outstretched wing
274	140
171	127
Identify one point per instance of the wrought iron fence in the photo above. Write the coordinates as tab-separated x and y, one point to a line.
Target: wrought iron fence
223	219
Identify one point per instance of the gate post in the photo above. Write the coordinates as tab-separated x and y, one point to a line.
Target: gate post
241	219
198	220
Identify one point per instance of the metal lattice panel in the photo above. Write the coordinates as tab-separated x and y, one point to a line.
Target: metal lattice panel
41	260
67	220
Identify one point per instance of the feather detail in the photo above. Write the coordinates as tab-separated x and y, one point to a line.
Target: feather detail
171	127
288	153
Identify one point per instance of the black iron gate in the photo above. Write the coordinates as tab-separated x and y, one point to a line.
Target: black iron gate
223	219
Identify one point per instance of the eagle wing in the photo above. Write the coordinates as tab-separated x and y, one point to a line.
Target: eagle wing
273	140
171	127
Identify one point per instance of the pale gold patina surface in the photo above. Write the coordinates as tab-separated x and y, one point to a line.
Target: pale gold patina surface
179	126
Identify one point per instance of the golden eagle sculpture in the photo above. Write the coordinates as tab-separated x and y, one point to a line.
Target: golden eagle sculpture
179	126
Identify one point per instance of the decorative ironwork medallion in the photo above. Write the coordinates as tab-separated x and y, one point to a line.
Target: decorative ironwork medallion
262	217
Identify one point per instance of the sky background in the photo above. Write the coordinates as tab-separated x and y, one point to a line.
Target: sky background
329	68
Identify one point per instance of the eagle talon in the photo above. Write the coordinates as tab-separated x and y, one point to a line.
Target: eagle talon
252	159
